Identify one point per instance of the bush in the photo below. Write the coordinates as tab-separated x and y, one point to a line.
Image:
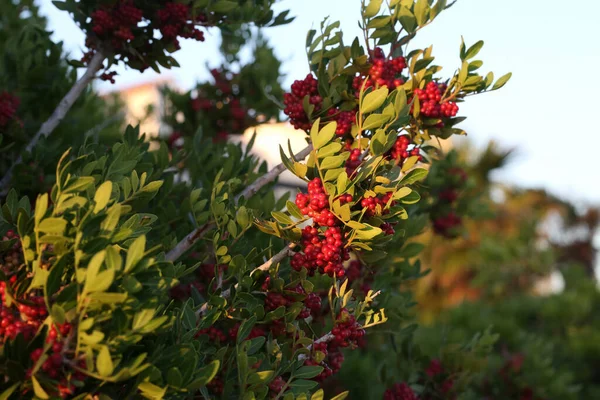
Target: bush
175	272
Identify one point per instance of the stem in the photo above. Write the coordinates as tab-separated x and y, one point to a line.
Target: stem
325	338
59	113
276	259
190	240
270	176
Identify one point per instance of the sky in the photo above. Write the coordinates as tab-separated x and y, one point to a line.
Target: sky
546	112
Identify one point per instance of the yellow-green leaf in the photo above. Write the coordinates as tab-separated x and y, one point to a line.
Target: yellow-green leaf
372	8
374	100
104	363
102	196
38	390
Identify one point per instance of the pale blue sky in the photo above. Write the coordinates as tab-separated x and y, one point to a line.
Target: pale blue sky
547	109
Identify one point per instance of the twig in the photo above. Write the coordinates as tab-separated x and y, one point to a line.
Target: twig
188	242
59	113
276	259
323	339
191	239
270	176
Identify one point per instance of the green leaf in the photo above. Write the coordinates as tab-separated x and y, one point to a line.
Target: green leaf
246	328
52	225
206	374
58	314
135	253
407	19
79	184
308	372
417	174
502	81
224	6
400	102
329	150
411	250
41	206
260	377
104	363
369	233
422	11
379	22
151	391
464	70
341	396
437	8
334	161
374	100
174	377
372	8
38	390
6	394
375	121
293	209
473	50
102	196
93	267
303	385
318	395
242	217
142	318
324	136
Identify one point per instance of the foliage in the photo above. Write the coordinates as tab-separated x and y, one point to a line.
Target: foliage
33	69
172	271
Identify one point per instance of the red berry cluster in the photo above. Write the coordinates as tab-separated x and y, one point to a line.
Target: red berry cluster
400	391
312	301
430	100
115	23
201	280
218	104
216	386
377	205
353	162
26	319
53	367
276	386
213	333
330	360
384	72
315	204
345	120
293	101
9	104
438	381
447	222
175	20
256	331
26	316
324	254
347	332
400	151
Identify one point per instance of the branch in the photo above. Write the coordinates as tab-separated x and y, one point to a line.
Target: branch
59	113
270	176
276	259
325	338
190	240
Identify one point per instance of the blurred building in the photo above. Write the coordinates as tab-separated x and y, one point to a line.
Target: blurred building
143	103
